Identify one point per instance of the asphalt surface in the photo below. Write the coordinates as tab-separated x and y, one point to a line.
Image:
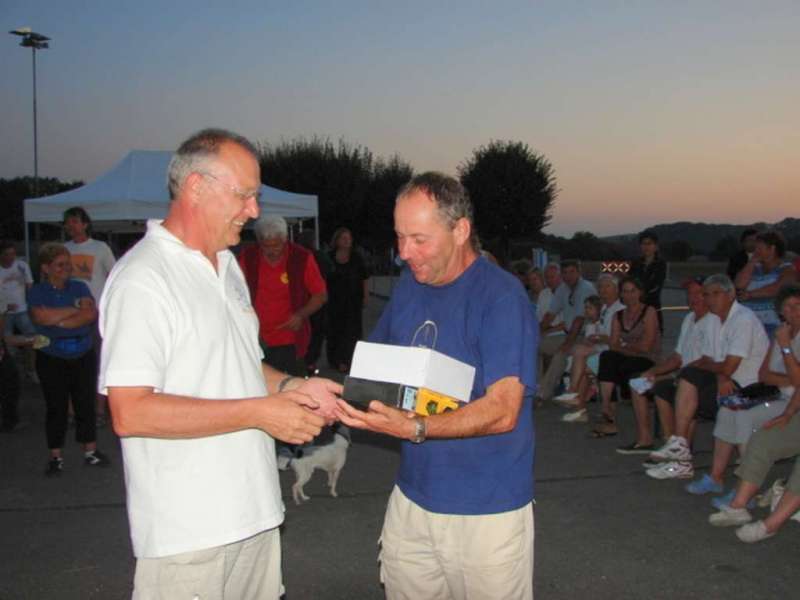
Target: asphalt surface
603	529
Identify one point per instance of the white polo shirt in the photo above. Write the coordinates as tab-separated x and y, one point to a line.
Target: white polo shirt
543	306
742	334
569	301
698	337
170	322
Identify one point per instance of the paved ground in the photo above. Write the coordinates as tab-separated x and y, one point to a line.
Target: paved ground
603	529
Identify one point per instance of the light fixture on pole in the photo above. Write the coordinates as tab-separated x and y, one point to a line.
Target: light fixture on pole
34	41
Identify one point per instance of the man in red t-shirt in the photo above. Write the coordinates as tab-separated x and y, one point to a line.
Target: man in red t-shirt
286	288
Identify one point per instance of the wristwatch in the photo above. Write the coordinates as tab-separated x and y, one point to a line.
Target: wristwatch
786	351
420	430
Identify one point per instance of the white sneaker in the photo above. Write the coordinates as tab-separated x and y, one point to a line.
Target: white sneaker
672	470
565	396
728	517
577	416
753	532
675	450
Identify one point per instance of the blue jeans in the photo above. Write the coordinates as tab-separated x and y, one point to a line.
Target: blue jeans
20	322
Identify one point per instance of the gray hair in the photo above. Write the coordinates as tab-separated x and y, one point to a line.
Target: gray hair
720	279
451	198
552	265
608	277
196	154
270	227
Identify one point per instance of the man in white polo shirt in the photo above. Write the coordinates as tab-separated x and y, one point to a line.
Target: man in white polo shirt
741	347
568	302
196	410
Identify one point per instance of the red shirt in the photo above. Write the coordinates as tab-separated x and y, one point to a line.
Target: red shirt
272	302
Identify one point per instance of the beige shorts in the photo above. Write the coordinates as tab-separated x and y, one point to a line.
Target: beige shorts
439	556
246	570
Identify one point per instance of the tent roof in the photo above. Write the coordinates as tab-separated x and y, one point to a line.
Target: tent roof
136	189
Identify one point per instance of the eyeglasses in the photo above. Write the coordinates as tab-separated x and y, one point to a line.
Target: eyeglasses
241	194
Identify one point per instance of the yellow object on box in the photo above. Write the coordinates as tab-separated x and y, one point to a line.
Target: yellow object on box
433	403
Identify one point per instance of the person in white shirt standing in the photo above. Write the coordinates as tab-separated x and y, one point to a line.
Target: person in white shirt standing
196	410
92	261
15	281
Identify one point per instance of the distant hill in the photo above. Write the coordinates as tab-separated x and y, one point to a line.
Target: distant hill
703	237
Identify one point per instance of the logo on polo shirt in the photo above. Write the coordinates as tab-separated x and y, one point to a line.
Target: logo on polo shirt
285	278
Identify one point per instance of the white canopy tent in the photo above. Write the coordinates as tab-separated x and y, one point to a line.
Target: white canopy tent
136	190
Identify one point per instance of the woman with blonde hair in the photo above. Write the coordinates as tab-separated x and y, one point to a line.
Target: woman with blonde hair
63	310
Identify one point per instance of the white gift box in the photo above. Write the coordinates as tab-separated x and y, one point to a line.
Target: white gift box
413	366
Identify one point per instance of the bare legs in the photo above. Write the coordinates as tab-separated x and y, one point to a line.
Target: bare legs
644	426
686	401
722	456
787	506
606	393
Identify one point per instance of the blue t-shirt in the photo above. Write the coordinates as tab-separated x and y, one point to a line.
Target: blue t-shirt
64	342
483	319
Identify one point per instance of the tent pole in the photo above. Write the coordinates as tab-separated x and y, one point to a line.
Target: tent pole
27	244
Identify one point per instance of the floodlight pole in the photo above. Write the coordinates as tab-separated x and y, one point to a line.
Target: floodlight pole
35	130
34	41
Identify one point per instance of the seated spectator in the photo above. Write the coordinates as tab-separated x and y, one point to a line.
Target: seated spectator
651	270
764	274
698	334
535	288
747	242
521	269
741	347
633	348
581	349
9	378
64	311
778	439
552	281
586	355
568	302
734	427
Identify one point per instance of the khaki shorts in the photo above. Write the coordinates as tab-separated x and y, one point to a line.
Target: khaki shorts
245	570
440	556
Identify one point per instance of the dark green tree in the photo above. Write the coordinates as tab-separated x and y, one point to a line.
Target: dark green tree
512	188
339	175
387	178
13	193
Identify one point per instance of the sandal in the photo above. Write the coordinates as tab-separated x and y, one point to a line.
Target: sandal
606	427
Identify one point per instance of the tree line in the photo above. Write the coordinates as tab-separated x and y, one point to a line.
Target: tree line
513	189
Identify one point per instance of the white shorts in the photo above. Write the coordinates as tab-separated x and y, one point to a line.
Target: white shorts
736	426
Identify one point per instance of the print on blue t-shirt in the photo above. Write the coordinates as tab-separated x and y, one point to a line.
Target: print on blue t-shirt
484	319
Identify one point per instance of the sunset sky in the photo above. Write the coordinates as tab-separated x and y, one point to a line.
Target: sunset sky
649	111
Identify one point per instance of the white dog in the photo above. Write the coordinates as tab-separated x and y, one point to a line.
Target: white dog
330	458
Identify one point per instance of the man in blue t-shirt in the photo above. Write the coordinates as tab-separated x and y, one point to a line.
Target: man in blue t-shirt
460	519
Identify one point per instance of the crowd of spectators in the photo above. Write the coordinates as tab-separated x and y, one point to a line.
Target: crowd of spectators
736	360
736	363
